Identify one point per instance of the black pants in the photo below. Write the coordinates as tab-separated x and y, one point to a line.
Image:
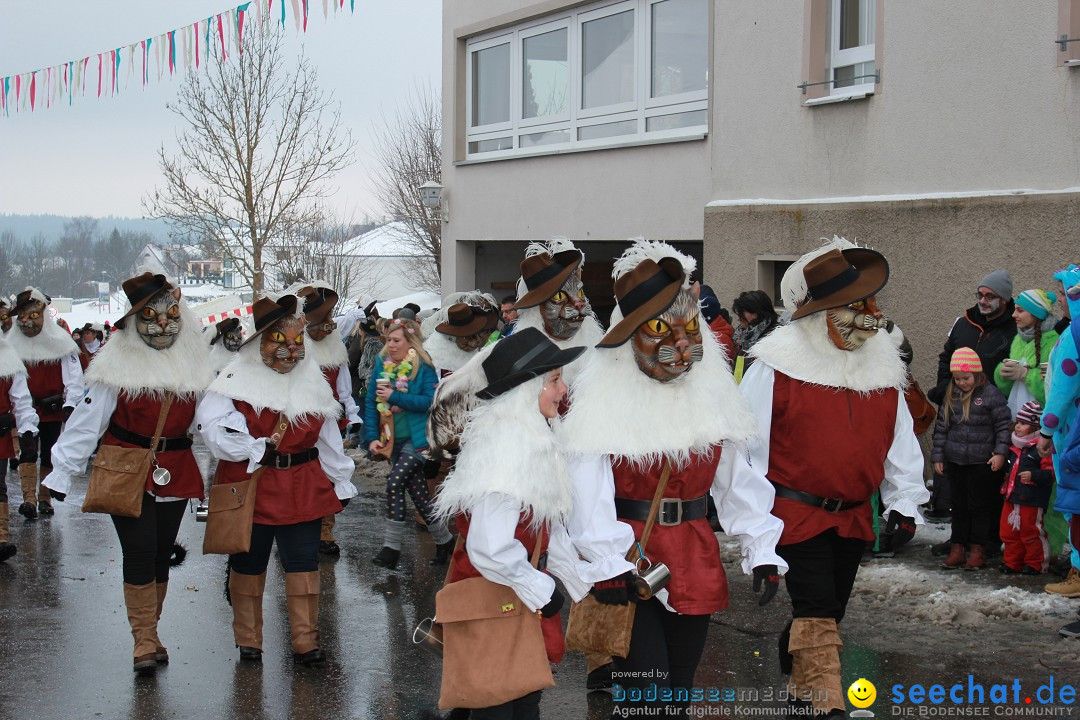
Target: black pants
298	548
48	432
524	708
665	649
147	541
975	489
821	573
3	484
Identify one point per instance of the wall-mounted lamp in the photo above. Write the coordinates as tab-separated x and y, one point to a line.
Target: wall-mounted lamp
431	193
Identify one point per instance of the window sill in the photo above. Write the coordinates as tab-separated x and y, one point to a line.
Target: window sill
830	99
589	148
1072	63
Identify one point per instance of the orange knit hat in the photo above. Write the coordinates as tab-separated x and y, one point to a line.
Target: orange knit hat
965	360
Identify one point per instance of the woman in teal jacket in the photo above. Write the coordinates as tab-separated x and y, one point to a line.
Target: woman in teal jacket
1018	377
404	383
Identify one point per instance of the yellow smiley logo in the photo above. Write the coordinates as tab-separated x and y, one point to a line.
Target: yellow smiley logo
862	693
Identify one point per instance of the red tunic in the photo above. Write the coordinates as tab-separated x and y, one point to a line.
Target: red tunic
140	415
832	443
85	358
7	443
698	583
461	569
45	379
293	495
330	372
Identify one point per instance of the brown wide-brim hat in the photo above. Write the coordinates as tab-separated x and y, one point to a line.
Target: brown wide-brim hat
544	275
462	321
642	294
140	290
28	296
266	312
842	277
319	302
224	327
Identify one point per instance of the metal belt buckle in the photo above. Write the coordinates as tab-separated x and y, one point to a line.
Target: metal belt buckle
287	459
662	515
160	447
831	505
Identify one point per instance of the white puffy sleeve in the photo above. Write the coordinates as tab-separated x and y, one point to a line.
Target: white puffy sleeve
344	394
903	489
595	530
337	466
26	419
82	431
224	430
741	491
564	564
71	371
499	556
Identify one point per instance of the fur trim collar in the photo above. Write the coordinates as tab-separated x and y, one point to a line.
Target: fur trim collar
328	352
127	364
303	391
445	354
52	343
533	472
615	409
588	335
10	362
219	357
455	397
802	350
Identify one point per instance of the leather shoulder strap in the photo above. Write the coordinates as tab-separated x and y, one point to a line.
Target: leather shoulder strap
654	510
165	405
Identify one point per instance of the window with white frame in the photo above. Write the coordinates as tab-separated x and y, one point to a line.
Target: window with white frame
599	75
851	46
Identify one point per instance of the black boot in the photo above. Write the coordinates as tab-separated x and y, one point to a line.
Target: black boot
941	548
387	558
250	654
312	658
7	550
443	551
329	547
28	510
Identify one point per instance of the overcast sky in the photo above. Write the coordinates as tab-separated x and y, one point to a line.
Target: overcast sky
98	157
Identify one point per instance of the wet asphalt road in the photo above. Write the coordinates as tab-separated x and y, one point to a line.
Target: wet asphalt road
67	646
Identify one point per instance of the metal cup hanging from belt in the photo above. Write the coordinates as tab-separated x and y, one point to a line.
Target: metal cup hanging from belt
161	476
652	580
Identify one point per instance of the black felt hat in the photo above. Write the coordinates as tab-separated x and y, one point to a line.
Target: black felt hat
526	354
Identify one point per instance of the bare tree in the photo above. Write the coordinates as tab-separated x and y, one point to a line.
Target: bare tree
408	149
262	142
323	252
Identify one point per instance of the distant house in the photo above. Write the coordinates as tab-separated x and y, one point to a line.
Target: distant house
384	262
189	264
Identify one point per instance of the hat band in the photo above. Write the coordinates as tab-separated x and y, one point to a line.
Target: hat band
148	290
645	291
837	282
523	362
541	276
269	319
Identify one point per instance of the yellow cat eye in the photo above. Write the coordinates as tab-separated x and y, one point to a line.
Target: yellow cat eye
692	326
148	313
174	311
656	326
581	293
4	317
278	336
858	305
299	339
559	297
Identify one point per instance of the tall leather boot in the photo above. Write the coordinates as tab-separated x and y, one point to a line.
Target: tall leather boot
6	548
141	601
160	653
327	542
246	592
302	597
815	649
45	507
28	476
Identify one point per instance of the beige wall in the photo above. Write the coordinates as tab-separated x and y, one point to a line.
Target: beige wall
938	250
656	191
971	99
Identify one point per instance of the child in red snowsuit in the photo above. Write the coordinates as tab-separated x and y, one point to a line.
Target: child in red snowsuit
1028	482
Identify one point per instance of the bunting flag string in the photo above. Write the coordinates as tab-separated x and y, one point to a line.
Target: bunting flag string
27	91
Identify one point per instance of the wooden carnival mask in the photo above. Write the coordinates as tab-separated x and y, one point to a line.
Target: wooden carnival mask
158	322
852	325
666	347
472	343
32	318
5	318
233	339
282	345
564	311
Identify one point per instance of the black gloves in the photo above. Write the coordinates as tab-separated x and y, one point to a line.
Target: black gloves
771	576
616	591
66	412
898	531
28	448
554	604
344	502
58	496
7	422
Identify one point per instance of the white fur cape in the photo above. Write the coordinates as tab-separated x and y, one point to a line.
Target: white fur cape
328	352
455	397
615	409
126	363
445	354
588	335
52	343
302	391
525	463
10	362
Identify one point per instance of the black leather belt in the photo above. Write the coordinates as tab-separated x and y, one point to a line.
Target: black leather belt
827	504
673	511
51	403
284	461
165	444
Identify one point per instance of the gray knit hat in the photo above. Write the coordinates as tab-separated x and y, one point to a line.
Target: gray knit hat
1000	281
